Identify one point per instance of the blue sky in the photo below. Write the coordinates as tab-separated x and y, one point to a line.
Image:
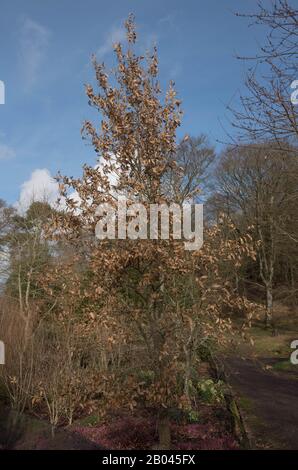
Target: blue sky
45	50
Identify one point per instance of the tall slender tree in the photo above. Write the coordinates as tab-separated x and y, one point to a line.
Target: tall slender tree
159	300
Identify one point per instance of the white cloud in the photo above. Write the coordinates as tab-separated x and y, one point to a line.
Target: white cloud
114	36
40	187
34	39
6	152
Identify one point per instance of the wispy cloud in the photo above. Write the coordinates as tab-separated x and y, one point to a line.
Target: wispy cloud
115	35
118	34
6	152
175	70
168	19
34	40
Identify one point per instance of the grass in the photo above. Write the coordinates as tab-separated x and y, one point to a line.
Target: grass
90	420
246	404
285	366
267	345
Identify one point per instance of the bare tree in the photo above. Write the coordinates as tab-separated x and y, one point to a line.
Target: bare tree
259	187
194	157
267	110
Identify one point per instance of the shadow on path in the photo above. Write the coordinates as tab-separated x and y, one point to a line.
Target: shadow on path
28	433
272	399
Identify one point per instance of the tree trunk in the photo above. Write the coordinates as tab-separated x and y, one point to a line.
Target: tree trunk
269	306
164	431
188	362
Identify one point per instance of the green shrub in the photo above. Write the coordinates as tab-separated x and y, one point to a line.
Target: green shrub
210	391
193	416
